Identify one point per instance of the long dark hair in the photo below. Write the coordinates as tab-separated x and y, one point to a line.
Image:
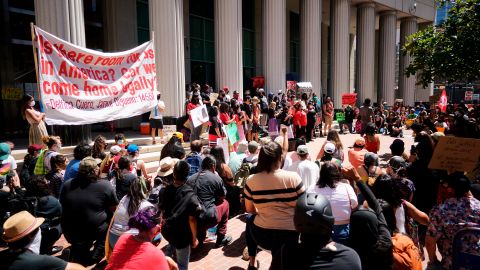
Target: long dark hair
25	105
137	193
329	175
169	147
269	157
332	136
218	154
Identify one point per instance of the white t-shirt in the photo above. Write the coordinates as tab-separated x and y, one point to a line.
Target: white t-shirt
309	172
400	217
120	222
10	159
156	112
342	198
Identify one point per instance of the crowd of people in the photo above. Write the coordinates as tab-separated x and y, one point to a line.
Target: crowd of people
338	209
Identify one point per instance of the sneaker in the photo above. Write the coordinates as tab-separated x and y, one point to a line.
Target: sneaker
55	249
223	241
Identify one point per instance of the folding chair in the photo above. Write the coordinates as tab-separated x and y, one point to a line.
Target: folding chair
466	259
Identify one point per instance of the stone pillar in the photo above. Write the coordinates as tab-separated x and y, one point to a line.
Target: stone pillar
387	57
64	19
339	27
406	85
364	79
311	43
274	58
166	21
423	94
228	44
121	29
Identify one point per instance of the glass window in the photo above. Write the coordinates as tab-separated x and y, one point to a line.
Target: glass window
294	42
143	24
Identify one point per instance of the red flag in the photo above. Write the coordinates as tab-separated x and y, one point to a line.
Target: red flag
442	103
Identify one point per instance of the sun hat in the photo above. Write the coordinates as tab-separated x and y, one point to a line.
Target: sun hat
88	164
34	147
255	99
132	148
115	149
329	148
4	151
359	142
20	225
302	150
166	166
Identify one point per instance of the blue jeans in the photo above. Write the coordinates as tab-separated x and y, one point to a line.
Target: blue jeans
340	233
183	257
269	239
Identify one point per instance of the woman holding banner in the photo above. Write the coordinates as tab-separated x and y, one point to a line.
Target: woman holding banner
35	119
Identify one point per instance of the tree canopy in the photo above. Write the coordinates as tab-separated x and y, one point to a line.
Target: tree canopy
448	51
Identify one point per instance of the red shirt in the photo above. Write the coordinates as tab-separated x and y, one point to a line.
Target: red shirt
224	118
190	107
130	254
300	118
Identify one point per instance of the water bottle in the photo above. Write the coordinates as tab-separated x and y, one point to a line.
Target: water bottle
212	234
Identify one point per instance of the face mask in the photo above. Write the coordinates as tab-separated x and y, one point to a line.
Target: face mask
120	141
32	103
34	246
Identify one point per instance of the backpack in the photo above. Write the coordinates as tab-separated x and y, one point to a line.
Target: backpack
18	203
242	174
195	162
405	254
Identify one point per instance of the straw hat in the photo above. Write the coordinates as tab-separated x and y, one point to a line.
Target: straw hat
20	225
166	166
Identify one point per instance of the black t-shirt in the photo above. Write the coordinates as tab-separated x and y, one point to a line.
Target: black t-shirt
86	208
300	257
180	202
123	182
29	260
247	108
208	187
282	117
213	125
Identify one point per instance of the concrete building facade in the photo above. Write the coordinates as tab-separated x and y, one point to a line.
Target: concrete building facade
340	46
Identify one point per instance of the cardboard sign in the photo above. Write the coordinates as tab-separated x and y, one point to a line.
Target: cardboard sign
349	99
81	86
456	154
11	93
291	85
213	97
340	117
168	130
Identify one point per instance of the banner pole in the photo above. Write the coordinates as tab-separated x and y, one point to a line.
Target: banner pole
35	60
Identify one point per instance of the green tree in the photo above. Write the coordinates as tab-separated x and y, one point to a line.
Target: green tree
449	51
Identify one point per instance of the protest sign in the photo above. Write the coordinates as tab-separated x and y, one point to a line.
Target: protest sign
349	99
213	97
443	101
340	116
468	95
232	133
81	86
168	130
291	85
456	154
199	115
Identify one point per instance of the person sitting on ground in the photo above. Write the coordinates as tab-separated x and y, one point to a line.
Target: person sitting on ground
211	191
120	140
397	148
178	152
236	158
372	140
328	154
194	159
49	208
356	155
291	157
88	203
370	169
342	197
271	221
23	235
8	163
138	164
134	201
253	150
334	138
29	162
306	169
397	169
55	176
180	208
123	177
54	144
168	148
106	167
315	249
80	152
137	251
99	145
447	218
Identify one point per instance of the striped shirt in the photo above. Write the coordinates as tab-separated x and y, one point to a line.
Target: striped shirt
274	195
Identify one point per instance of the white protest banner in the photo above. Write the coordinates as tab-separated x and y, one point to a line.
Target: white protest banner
199	115
81	86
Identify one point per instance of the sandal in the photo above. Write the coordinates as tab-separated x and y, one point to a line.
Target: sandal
154	142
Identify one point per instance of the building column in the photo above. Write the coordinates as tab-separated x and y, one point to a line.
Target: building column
340	41
311	43
166	21
228	44
274	58
387	57
364	79
406	85
64	19
423	94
